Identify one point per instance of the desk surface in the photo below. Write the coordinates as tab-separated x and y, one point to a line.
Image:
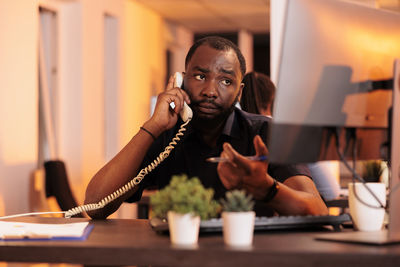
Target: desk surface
133	242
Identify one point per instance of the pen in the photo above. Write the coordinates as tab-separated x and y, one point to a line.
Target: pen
255	158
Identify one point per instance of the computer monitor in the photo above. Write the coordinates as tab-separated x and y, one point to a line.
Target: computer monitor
331	51
336	71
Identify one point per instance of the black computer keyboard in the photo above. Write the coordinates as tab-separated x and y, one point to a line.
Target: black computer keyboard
268	223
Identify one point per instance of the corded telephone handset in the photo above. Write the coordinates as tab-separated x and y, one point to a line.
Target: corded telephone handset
186	112
186	115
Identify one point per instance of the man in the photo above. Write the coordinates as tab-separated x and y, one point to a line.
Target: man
212	85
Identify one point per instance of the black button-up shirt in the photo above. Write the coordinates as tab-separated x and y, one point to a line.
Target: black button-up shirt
190	154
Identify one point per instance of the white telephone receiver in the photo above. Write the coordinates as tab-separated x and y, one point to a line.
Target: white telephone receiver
186	115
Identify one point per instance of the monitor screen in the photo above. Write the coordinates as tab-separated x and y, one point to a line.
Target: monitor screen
333	58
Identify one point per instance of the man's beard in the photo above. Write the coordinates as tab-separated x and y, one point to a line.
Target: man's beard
215	121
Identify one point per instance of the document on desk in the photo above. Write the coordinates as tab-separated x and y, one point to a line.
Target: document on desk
14	231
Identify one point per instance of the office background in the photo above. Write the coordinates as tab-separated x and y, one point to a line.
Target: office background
106	59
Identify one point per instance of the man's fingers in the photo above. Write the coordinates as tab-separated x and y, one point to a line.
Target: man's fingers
173	89
260	147
177	96
170	84
235	157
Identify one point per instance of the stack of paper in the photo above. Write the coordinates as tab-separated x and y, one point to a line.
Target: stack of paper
36	231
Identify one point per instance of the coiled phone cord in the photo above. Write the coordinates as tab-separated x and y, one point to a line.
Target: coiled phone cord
132	183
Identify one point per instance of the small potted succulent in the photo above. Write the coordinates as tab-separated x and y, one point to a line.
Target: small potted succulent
238	218
372	171
184	202
363	205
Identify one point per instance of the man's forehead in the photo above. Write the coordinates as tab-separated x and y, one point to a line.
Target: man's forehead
226	59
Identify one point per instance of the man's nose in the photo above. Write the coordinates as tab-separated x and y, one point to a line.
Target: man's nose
210	89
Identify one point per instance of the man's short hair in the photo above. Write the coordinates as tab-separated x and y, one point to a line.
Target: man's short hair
218	43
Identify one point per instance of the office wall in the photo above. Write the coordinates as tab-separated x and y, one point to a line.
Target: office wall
140	59
144	66
143	72
178	40
18	102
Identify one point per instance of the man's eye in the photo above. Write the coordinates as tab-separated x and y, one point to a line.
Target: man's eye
199	77
226	82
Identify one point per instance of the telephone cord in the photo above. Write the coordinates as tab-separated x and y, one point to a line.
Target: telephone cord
132	183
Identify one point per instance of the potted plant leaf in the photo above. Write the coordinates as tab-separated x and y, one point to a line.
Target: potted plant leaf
372	171
184	202
238	218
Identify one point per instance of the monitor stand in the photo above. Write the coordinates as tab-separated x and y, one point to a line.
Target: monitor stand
358	237
392	235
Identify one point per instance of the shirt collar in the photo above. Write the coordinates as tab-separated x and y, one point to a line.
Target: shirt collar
232	126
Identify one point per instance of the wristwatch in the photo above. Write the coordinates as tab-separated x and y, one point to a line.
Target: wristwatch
272	191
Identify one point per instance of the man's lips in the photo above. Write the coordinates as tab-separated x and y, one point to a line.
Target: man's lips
207	105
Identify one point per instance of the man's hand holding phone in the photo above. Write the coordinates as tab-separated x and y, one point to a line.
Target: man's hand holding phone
164	116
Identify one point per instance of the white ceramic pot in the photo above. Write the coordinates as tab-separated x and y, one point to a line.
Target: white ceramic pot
238	228
183	228
365	210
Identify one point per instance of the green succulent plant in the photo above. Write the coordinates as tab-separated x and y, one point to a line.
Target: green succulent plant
372	170
183	196
237	201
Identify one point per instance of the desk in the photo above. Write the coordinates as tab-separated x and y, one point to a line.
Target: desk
133	242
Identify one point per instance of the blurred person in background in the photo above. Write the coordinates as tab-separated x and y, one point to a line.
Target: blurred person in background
258	95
